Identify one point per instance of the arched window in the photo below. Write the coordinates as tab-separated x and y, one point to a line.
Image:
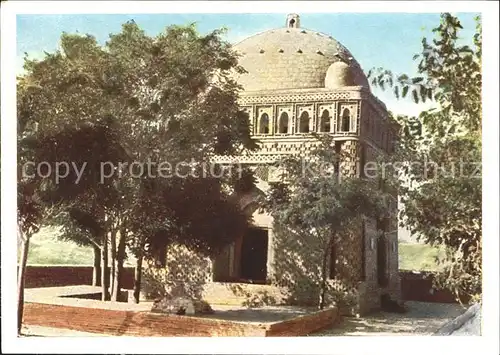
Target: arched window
304	123
283	123
325	122
264	124
345	121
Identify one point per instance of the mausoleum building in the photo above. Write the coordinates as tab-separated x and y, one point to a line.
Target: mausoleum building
300	81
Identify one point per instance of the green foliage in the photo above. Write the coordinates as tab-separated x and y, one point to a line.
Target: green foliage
317	204
149	100
194	212
313	194
442	196
449	74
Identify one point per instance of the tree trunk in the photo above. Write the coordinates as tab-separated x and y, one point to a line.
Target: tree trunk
104	268
118	272
324	266
322	290
138	275
20	282
112	271
96	272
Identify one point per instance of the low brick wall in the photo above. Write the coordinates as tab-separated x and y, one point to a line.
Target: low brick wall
304	325
130	323
417	286
67	275
134	323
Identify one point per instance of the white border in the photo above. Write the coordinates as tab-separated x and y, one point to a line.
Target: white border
488	343
149	7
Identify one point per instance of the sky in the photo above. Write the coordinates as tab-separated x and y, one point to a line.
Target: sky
387	40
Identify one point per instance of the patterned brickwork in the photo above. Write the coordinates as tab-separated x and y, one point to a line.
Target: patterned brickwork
272	150
350	255
262	172
350	158
369	290
185	273
298	97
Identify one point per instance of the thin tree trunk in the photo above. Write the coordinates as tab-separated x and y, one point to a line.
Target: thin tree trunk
322	291
324	266
104	268
112	281
20	282
138	274
96	272
120	258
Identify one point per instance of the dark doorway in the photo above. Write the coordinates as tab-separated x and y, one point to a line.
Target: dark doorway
254	255
382	261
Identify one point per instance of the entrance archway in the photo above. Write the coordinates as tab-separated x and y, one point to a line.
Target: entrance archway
253	262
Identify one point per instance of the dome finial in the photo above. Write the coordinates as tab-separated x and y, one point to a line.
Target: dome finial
293	21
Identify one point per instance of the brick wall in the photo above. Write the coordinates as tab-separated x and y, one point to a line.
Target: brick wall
418	287
369	291
59	275
130	323
305	324
133	323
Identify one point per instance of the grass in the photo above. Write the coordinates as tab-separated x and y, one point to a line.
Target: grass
421	257
47	249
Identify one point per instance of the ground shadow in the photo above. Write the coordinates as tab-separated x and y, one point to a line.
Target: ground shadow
421	318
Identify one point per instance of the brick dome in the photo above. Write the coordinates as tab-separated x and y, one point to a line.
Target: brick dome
294	58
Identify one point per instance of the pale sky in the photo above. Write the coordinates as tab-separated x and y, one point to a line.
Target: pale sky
387	40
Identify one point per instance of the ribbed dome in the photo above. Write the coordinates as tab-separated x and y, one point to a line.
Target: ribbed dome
292	58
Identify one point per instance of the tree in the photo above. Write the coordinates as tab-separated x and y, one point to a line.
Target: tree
79	227
442	196
80	197
29	215
122	110
29	208
322	205
204	218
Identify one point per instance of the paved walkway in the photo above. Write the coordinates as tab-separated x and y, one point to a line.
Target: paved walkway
421	319
268	314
